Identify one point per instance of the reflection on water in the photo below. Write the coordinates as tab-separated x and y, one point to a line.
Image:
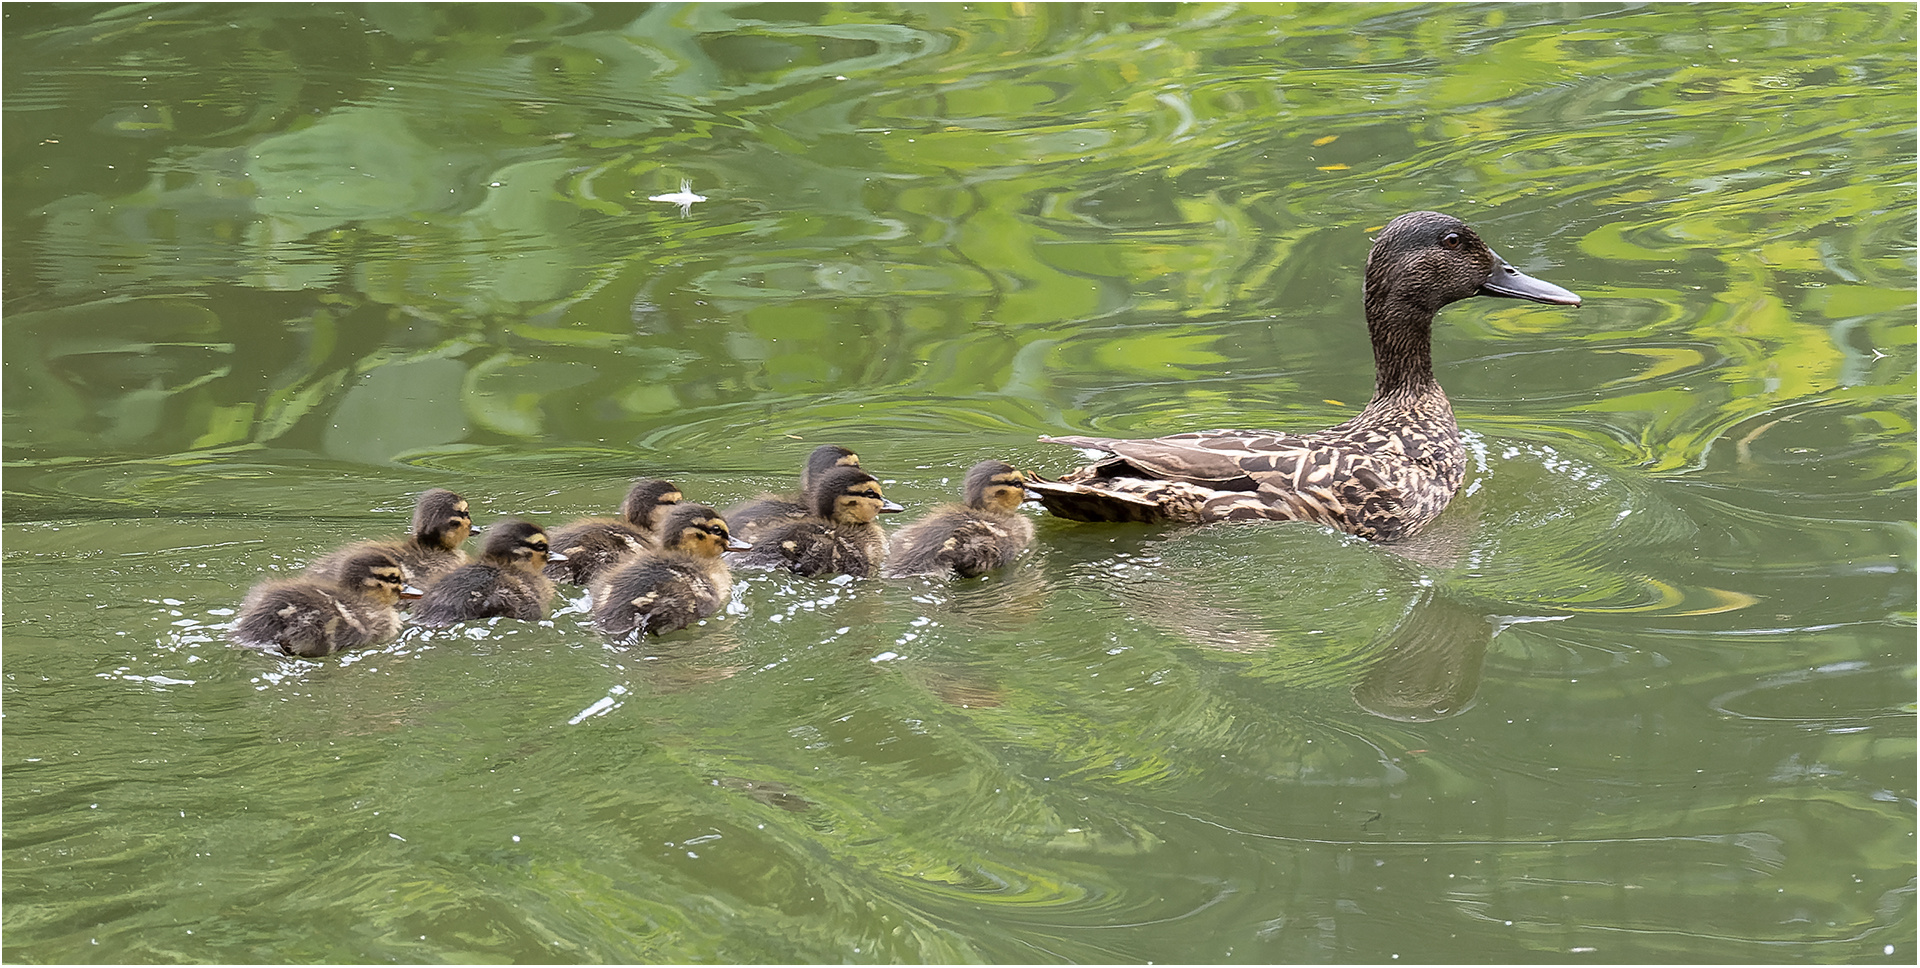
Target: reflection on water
1644	692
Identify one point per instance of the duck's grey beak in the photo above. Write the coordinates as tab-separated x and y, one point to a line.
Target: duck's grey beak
553	556
408	592
737	544
889	507
1508	281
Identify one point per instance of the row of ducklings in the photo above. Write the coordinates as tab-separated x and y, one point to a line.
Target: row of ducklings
657	567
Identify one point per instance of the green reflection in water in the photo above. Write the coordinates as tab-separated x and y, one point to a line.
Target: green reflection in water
1646	689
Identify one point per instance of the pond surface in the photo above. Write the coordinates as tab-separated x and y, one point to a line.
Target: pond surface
1645	693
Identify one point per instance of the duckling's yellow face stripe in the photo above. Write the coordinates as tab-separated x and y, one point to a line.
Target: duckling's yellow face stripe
671	497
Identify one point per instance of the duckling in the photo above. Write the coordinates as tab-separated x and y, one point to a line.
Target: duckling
840	538
593	545
1383	475
770	511
968	539
310	616
441	523
686	580
506	581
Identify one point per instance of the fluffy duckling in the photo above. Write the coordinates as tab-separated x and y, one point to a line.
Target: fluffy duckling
663	591
594	545
769	511
840	538
311	616
441	523
506	581
968	539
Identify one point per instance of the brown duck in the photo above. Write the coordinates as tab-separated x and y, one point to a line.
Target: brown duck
662	591
969	539
441	524
770	511
839	538
1382	475
595	545
505	582
311	616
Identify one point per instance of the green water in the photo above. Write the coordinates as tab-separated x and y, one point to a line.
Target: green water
1644	694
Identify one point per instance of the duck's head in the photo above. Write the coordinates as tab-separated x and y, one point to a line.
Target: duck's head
696	529
994	485
824	458
647	500
376	575
519	544
441	519
1427	260
849	495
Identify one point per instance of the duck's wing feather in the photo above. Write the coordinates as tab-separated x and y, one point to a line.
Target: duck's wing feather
1224	460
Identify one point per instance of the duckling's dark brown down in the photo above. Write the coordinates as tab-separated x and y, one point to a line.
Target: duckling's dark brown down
1382	475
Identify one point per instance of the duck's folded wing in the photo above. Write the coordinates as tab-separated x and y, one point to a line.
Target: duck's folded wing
1222	459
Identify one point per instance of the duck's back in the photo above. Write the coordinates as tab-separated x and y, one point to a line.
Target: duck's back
814	547
483	591
768	512
305	618
422	565
593	545
659	593
964	540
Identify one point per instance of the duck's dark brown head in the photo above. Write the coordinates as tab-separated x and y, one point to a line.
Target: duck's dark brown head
441	519
647	500
518	544
698	530
1427	260
994	485
824	458
375	574
849	495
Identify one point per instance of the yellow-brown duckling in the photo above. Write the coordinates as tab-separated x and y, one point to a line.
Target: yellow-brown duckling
840	538
666	590
505	582
969	539
441	524
310	616
768	511
594	545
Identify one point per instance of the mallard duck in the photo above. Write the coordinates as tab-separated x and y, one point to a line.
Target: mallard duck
662	591
441	523
592	545
311	616
839	538
506	581
1382	475
968	539
768	511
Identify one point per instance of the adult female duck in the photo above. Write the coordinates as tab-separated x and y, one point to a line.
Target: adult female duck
1382	475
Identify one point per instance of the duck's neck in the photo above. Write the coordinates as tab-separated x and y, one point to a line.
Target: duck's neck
1402	334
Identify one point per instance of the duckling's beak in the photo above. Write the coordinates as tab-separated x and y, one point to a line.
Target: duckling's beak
474	528
738	544
409	592
889	507
556	556
1508	281
1029	494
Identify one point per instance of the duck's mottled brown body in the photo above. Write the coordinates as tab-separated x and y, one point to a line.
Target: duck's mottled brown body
310	616
984	534
595	545
668	589
1382	475
441	524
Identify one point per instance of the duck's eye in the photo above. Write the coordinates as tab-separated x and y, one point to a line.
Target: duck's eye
1450	240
